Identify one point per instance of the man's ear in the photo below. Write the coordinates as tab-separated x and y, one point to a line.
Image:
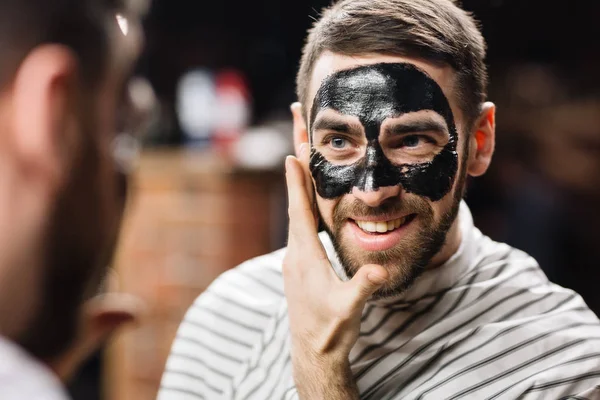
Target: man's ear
43	117
102	317
300	131
482	141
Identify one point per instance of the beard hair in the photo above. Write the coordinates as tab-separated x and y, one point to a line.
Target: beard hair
79	243
409	259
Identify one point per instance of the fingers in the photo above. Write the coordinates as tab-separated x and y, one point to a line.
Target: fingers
302	224
367	280
305	251
304	158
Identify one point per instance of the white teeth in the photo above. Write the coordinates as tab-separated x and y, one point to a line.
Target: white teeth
381	226
370	226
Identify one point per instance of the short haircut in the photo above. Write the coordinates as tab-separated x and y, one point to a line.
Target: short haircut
80	25
437	31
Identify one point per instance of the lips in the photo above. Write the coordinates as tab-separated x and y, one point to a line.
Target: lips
385	225
379	235
382	226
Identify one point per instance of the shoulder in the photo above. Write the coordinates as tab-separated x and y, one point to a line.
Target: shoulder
222	327
526	335
512	279
257	283
243	298
509	279
22	377
497	263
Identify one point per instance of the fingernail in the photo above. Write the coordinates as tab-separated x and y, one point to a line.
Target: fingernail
376	278
288	164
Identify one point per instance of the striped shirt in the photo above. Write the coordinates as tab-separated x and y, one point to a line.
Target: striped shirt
486	324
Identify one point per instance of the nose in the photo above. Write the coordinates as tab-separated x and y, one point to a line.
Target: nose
374	198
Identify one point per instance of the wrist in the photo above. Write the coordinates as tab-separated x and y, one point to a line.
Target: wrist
324	378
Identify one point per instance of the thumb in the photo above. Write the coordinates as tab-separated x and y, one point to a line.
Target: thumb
367	280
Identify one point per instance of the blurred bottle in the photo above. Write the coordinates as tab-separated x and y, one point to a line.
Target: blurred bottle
196	107
232	104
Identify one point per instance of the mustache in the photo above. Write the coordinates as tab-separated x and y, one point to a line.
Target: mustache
391	206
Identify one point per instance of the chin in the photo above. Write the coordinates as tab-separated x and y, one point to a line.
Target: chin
399	285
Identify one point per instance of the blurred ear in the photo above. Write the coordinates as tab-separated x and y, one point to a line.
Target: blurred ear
300	132
102	317
483	141
43	117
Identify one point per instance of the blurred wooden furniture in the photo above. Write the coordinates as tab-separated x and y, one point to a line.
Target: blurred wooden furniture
192	216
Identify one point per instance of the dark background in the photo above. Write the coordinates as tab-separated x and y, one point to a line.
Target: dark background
542	193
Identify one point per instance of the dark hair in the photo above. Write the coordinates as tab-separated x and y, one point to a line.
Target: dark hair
437	31
80	25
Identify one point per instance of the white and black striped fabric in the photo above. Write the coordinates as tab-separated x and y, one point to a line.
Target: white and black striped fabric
485	325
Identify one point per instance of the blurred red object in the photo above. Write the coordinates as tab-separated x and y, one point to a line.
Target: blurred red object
233	103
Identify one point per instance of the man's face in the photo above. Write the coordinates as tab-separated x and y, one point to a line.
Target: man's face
83	229
387	161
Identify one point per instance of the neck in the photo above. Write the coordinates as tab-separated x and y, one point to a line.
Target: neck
20	255
19	283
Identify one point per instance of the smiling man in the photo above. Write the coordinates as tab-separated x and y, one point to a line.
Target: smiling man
401	297
379	130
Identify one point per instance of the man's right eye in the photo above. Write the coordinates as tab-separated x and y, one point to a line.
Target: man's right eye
338	142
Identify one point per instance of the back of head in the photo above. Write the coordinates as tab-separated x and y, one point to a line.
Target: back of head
80	25
61	198
437	31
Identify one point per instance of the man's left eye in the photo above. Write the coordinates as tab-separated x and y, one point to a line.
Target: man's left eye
338	143
412	141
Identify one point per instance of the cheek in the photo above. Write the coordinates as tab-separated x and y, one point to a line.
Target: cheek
326	208
445	205
110	182
442	206
103	131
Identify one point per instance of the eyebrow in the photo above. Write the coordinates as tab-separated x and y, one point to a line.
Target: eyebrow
424	125
337	125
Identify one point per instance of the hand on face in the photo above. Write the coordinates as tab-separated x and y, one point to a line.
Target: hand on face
324	312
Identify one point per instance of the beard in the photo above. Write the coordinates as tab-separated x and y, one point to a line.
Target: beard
80	239
406	261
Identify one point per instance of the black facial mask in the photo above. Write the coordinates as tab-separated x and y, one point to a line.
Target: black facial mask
373	93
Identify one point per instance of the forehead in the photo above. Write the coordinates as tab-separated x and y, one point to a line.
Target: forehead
329	63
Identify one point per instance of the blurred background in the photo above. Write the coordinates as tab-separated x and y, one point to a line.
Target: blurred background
210	192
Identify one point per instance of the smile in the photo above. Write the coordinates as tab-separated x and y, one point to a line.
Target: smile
384	226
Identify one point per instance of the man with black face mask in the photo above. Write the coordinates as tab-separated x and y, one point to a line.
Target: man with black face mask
401	297
68	142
